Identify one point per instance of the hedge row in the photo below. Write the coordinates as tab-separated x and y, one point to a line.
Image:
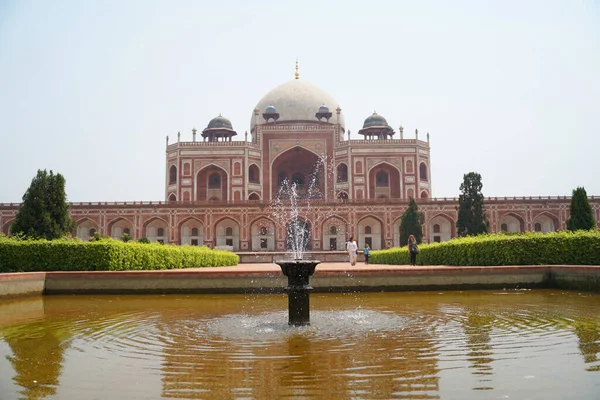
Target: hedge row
556	248
105	255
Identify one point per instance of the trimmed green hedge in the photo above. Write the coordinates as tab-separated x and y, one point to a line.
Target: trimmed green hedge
568	248
105	255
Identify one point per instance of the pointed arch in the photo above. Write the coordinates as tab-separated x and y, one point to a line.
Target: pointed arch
548	221
6	226
384	181
172	174
509	218
297	160
212	182
191	231
334	239
254	173
373	236
156	229
85	228
254	196
423	174
342	195
262	234
342	172
119	226
447	228
222	238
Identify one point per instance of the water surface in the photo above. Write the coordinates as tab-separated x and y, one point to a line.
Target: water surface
540	344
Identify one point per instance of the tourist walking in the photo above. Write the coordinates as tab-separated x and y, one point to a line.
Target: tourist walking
352	249
413	249
367	251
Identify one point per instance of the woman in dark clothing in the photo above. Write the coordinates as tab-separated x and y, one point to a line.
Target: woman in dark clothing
413	249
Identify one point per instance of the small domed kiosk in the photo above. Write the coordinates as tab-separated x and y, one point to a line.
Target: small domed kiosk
219	129
376	127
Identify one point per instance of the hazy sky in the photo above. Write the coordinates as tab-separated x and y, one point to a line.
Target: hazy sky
90	89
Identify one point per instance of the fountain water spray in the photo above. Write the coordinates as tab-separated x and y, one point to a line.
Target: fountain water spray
293	197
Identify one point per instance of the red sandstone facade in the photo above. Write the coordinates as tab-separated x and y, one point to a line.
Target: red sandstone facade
219	192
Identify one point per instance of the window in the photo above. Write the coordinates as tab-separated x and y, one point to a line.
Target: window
263	230
369	241
172	174
342	173
281	178
172	198
253	196
160	232
194	242
194	231
358	167
537	227
161	241
333	230
214	181
298	179
342	196
92	232
437	239
381	179
436	228
263	243
423	172
504	228
424	195
253	174
126	231
332	243
229	242
367	230
229	231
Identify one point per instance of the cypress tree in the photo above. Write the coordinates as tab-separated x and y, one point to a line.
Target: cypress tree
581	216
471	211
411	223
44	212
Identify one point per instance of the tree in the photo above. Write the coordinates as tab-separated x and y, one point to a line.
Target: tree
471	211
411	223
44	212
581	216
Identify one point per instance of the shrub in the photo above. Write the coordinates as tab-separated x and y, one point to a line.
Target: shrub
104	255
570	248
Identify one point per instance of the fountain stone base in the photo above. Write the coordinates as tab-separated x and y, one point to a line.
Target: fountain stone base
298	289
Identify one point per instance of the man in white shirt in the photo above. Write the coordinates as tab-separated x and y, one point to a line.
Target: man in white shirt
352	249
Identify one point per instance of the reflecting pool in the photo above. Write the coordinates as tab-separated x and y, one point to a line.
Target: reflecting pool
538	344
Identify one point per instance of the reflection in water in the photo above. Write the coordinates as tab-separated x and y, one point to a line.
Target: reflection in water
589	344
385	345
37	357
478	327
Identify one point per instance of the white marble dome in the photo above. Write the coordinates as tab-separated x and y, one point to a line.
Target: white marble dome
297	100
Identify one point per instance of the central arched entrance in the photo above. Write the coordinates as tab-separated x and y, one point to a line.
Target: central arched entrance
302	167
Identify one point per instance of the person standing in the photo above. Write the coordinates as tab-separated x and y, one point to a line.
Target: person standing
352	249
413	249
367	251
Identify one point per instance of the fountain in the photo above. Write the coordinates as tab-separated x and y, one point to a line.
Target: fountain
296	269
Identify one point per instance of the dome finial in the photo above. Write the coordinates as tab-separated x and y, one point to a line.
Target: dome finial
297	74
